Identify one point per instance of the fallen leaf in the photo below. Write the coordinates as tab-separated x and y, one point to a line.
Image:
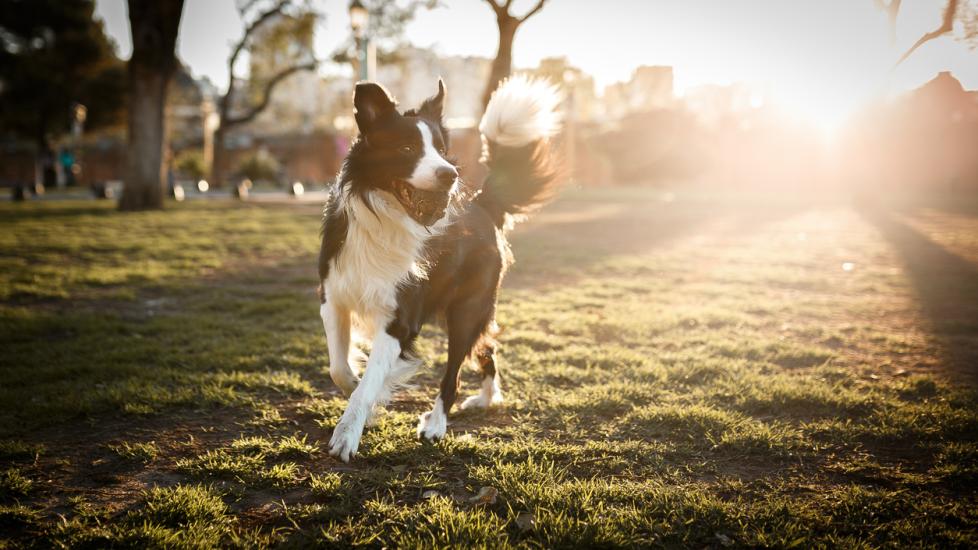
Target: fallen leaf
487	495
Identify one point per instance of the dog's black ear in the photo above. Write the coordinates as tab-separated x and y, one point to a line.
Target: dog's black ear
371	102
432	107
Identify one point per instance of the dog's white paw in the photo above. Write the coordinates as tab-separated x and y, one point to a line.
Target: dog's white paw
433	425
482	401
489	396
345	440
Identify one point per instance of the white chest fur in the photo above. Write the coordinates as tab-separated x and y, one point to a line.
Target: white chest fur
382	249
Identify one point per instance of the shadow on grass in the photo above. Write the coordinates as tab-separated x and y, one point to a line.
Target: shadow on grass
574	237
946	285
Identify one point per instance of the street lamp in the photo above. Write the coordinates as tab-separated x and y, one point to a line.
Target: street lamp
359	18
360	23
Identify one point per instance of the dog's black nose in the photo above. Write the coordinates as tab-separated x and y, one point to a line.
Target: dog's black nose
445	176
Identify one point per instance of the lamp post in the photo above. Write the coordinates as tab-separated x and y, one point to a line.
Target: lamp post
366	55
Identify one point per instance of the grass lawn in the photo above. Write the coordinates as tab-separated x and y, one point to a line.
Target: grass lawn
680	371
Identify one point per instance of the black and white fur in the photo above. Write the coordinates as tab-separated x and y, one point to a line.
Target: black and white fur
383	274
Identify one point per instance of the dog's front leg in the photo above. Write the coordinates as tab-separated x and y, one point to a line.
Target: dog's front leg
336	323
346	436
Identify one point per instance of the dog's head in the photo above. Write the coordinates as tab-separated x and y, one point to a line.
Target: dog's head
403	154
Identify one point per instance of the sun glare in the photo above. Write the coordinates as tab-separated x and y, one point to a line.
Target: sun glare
820	110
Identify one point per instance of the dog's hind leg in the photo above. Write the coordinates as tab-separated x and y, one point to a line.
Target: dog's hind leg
466	327
490	392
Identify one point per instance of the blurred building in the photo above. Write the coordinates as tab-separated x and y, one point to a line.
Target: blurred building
650	88
580	99
413	77
944	98
926	139
714	103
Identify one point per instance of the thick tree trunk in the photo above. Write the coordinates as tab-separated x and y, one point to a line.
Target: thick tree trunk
154	27
145	181
503	64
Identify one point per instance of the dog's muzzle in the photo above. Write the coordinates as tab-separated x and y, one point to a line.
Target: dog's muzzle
424	207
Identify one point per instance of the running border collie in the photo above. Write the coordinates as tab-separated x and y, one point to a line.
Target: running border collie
404	243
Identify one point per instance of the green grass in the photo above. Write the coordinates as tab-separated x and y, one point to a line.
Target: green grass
14	484
253	461
142	452
698	372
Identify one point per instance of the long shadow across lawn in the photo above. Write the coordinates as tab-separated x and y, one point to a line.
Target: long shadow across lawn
572	237
945	283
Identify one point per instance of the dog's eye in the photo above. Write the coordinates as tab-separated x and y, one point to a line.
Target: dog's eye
406	149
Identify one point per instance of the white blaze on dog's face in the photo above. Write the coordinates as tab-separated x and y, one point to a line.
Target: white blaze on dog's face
432	172
404	154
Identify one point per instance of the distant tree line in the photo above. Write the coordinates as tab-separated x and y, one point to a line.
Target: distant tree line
56	66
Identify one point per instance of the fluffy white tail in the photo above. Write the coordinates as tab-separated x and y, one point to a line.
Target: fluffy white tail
520	119
521	110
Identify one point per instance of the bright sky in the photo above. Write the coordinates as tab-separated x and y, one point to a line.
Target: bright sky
821	59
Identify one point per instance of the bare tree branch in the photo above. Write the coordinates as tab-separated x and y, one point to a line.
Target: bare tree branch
947	24
224	107
225	104
258	22
536	8
229	121
498	9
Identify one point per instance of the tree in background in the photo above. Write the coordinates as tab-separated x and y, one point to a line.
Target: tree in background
388	21
286	31
508	24
55	56
260	166
964	13
190	163
154	26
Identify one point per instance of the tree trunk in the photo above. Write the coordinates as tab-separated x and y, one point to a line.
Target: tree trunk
218	173
144	189
44	160
503	64
217	159
154	31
